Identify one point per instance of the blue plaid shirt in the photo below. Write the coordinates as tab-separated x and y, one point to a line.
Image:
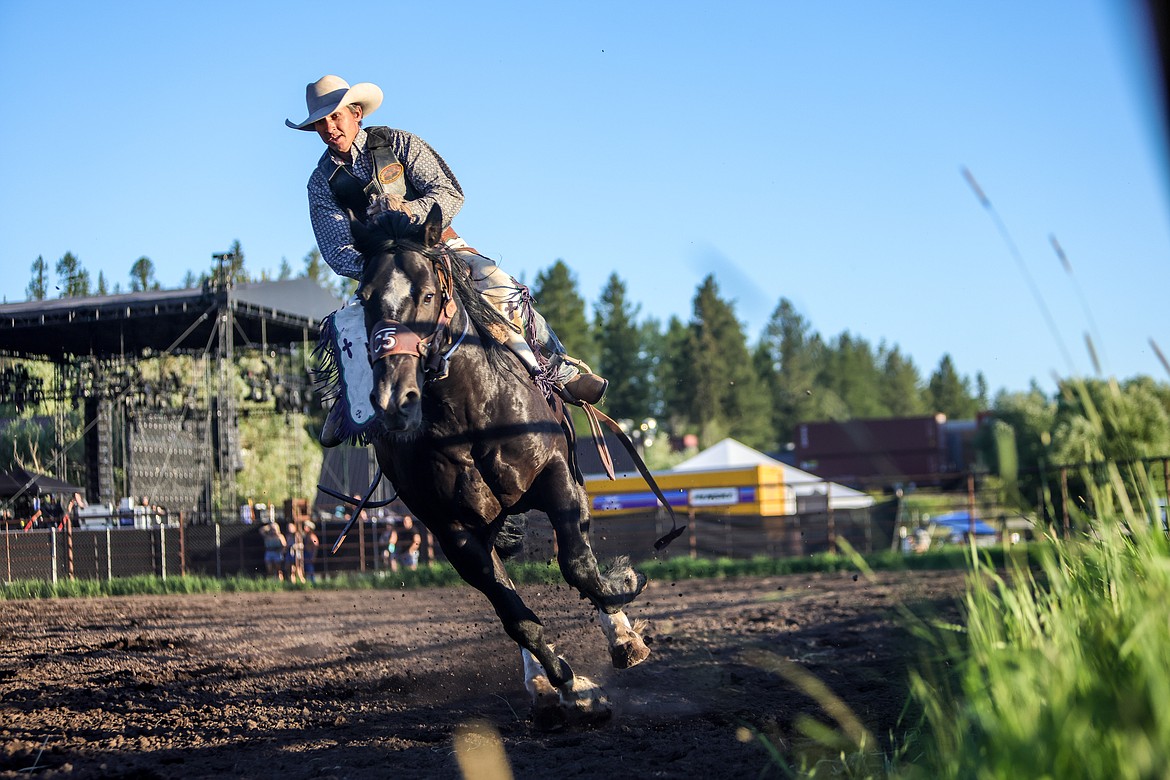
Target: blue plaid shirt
424	169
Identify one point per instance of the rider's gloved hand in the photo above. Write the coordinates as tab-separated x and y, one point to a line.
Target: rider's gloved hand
387	202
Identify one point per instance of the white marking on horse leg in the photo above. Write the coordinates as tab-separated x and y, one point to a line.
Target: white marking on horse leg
532	670
626	646
616	627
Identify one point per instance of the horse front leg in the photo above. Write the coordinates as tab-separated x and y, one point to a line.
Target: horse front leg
609	592
626	646
559	697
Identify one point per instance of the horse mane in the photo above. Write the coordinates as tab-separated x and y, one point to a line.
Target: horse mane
483	315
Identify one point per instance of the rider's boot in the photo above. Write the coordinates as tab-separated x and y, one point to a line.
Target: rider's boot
577	383
331	430
510	298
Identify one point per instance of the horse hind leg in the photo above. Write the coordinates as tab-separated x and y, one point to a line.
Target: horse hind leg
620	584
609	592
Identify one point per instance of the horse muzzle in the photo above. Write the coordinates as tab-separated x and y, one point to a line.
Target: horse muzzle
397	352
397	395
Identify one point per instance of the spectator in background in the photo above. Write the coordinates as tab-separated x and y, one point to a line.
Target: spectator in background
294	554
54	513
274	544
388	542
312	544
74	511
409	543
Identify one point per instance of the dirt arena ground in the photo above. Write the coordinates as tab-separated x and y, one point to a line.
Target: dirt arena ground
365	684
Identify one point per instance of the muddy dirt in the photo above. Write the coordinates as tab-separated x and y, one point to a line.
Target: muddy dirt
365	684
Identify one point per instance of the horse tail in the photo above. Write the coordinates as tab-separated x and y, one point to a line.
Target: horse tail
509	540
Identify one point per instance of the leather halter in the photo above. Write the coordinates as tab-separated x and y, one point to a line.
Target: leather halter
391	337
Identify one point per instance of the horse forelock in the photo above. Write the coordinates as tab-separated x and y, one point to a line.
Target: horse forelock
389	275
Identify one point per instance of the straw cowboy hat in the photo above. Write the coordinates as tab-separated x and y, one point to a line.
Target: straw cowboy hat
325	94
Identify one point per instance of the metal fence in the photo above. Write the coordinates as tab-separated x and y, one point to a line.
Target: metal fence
236	549
221	549
53	554
725	535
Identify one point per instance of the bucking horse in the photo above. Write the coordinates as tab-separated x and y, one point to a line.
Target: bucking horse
469	440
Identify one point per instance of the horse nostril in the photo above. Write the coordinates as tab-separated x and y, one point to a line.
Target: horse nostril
410	398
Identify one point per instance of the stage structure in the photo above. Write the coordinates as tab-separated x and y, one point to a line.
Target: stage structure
155	376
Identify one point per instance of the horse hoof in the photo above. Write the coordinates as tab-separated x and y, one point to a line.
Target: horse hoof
630	653
547	712
586	703
583	703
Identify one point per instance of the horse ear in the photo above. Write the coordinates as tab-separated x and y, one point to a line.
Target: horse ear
433	226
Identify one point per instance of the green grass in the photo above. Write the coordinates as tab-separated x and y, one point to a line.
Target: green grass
1061	672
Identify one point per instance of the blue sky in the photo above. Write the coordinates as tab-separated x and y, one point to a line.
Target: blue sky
812	151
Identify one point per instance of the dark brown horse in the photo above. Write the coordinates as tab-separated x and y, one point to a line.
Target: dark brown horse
468	440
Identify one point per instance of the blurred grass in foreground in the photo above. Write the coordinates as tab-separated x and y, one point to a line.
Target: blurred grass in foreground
1064	671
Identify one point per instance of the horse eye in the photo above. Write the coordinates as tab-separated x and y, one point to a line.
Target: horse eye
428	297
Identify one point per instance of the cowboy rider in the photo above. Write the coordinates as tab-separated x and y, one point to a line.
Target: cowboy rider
411	178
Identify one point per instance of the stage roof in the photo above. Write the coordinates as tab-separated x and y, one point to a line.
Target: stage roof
132	324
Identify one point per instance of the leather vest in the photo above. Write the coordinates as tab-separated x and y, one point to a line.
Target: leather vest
389	176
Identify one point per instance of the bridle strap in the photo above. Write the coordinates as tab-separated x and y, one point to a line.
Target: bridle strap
455	345
391	337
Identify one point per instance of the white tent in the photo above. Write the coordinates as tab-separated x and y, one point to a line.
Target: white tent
731	454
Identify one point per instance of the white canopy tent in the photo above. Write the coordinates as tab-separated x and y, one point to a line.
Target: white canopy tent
731	454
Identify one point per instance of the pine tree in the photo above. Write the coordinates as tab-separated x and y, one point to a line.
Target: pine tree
982	397
555	296
789	357
73	280
142	275
38	288
727	397
621	357
950	393
851	372
901	384
675	375
318	270
654	353
102	287
238	273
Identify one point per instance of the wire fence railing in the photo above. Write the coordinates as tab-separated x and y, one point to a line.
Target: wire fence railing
228	547
236	549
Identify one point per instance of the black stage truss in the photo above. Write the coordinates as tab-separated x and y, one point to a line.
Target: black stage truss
177	440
